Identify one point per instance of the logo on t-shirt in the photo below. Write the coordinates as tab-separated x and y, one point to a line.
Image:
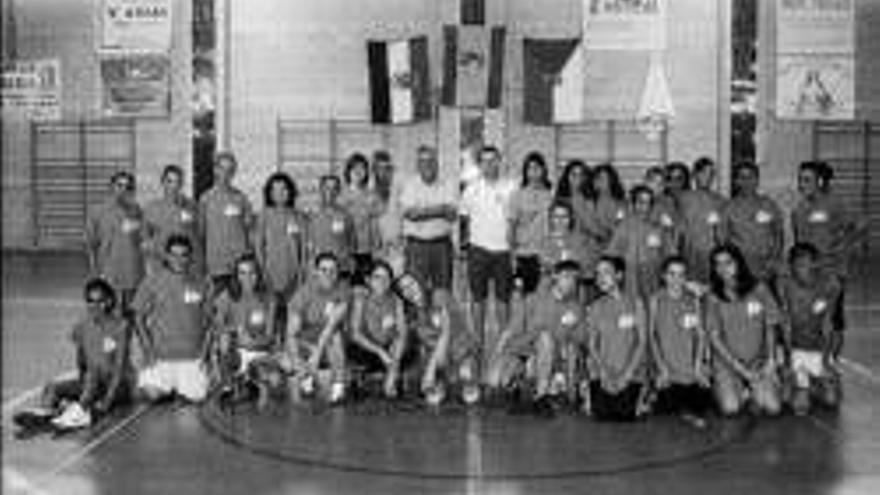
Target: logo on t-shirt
819	216
713	218
232	210
337	226
626	321
258	317
569	318
108	345
653	240
387	322
754	308
130	225
819	306
665	220
292	228
186	216
436	319
619	215
689	321
763	216
191	296
565	255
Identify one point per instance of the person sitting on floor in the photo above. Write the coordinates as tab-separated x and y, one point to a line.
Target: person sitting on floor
678	346
807	298
317	316
244	333
617	336
379	331
104	375
544	332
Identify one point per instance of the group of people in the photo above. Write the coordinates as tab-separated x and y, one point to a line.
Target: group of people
669	297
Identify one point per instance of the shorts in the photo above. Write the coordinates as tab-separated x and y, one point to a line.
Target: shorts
684	398
184	376
805	365
485	266
430	261
621	406
358	357
528	269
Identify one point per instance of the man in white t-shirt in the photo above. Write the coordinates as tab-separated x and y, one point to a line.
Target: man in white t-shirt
428	209
485	207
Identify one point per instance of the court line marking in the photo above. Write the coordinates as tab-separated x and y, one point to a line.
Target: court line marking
83	451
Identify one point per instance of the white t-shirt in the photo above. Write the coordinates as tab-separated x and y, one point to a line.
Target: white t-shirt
487	205
415	193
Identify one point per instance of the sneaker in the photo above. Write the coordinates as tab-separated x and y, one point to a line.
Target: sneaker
307	385
544	407
73	417
337	392
434	396
470	394
694	420
33	418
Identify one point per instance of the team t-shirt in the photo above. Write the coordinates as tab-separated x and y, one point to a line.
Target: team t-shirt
165	217
311	304
618	325
570	245
754	225
545	311
643	245
226	217
365	208
380	317
280	240
332	230
100	340
822	222
114	234
676	323
528	209
701	212
175	308
807	309
250	319
607	214
742	324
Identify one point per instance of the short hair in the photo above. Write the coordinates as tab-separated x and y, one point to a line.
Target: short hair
225	155
746	165
123	174
567	266
99	284
675	259
639	189
353	161
655	170
702	163
424	148
381	156
490	148
823	171
326	255
289	183
616	262
329	178
172	169
565	206
380	264
802	250
178	240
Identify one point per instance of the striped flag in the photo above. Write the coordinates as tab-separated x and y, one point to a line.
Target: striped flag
400	84
554	80
473	66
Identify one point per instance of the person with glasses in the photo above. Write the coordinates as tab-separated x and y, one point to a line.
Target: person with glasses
173	213
318	316
226	218
114	236
104	375
173	310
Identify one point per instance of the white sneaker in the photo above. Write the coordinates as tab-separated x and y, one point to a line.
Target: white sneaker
435	395
73	417
470	394
337	392
307	385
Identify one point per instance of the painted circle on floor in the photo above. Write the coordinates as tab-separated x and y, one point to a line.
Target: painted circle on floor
453	443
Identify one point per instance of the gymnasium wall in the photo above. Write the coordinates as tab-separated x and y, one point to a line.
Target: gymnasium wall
68	30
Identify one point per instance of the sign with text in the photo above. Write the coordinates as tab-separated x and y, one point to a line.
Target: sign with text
32	89
624	24
136	85
136	25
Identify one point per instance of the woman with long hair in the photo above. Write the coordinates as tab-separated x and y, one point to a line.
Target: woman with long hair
528	206
610	200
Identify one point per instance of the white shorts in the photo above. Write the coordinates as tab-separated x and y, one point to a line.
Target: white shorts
806	365
246	357
184	376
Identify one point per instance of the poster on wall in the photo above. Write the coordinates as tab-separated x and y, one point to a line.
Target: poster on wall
31	90
136	25
624	24
815	26
815	87
136	85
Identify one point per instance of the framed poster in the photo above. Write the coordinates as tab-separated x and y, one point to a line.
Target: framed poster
136	85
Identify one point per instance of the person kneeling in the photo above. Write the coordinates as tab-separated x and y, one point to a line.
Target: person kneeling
317	316
540	342
617	332
378	329
244	335
678	345
807	297
103	379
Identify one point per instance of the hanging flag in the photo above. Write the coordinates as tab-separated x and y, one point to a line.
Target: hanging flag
473	66
655	110
554	80
400	85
